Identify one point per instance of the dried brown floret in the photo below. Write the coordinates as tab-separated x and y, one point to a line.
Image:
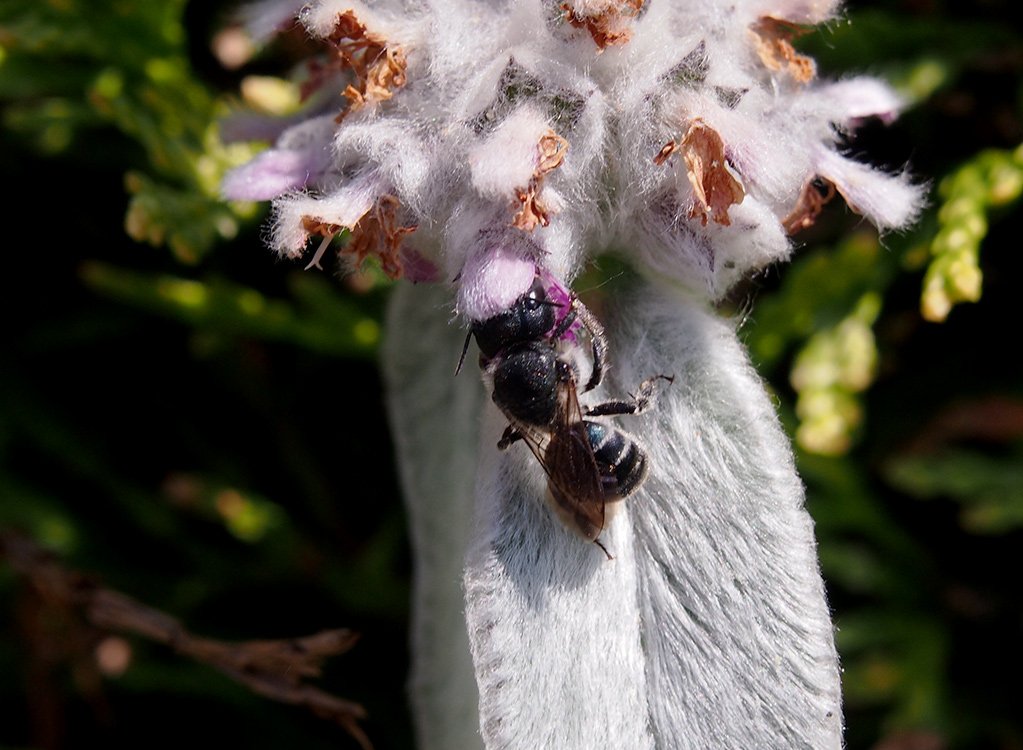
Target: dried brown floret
382	78
666	151
815	195
379	233
608	27
320	228
773	41
379	68
532	212
551	150
376	233
715	185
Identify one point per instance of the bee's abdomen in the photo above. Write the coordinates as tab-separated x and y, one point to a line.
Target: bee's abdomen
622	463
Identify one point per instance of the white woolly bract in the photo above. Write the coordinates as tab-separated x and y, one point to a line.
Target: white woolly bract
795	11
737	635
320	18
554	628
887	200
853	99
341	208
434	419
264	18
508	157
455	140
710	627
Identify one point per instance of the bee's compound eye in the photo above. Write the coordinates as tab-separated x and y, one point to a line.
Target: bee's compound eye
535	297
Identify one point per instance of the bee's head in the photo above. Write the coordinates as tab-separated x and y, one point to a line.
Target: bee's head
530	318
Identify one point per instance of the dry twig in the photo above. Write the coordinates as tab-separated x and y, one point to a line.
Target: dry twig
272	668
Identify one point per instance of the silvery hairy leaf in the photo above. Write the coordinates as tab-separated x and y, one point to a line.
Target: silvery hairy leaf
709	627
434	419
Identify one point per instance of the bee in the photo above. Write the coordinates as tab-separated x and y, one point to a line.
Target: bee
527	357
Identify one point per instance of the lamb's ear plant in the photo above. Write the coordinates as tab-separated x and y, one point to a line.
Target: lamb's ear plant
472	147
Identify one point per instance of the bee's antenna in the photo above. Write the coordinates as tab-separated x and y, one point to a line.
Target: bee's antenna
601	545
602	283
465	348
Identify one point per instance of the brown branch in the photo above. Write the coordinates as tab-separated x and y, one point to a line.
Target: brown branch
271	668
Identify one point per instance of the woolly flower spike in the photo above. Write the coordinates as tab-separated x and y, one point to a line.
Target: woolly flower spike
519	140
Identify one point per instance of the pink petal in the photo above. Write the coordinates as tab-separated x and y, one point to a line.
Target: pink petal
860	98
492	279
273	173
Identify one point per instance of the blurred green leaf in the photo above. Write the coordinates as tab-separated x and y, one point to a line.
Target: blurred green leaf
988	487
846	506
918	52
991	179
899	659
225	307
819	290
72	65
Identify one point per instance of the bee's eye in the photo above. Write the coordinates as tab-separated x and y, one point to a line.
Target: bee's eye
534	298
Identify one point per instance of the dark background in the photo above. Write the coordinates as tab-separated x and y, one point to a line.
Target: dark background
201	425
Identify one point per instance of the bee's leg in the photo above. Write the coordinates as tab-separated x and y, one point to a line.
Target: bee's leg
566	322
598	341
602	547
641	401
510	436
598	344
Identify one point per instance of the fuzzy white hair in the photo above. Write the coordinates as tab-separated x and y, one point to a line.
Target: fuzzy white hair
514	138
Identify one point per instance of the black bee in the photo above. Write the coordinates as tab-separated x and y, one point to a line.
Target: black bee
525	354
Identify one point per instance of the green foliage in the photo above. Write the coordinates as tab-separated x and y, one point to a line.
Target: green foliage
921	53
992	179
183	424
69	66
827	304
202	425
318	319
989	488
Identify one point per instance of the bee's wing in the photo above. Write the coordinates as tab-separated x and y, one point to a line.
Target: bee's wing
537	440
575	480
